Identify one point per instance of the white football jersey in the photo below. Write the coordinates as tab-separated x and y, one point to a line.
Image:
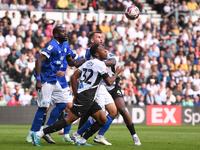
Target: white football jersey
111	72
92	73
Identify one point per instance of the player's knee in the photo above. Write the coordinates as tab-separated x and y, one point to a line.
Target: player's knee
113	113
69	122
69	105
61	106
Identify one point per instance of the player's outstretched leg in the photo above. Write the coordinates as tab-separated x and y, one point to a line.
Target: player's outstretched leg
127	119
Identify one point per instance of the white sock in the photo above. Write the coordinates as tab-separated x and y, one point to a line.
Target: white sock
65	136
30	132
76	133
82	140
40	134
135	135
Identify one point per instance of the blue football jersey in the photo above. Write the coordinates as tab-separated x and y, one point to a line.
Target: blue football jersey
62	80
56	54
87	54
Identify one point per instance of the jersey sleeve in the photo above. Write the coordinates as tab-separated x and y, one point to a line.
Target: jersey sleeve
102	70
49	50
109	55
87	55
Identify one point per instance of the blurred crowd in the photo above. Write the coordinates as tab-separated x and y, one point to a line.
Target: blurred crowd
161	63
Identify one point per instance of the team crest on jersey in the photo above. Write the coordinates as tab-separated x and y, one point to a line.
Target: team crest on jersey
50	47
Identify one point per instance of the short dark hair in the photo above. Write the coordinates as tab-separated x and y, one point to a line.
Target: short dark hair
91	35
94	49
56	29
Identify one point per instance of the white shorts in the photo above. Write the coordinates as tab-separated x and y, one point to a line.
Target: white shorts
67	95
103	97
50	93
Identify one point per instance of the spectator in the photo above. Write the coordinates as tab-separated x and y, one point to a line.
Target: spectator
3	79
159	100
85	27
21	69
6	17
37	38
167	8
184	6
189	89
79	20
164	78
4	52
83	40
4	5
143	89
192	5
178	100
104	28
34	99
32	24
141	102
62	4
187	101
138	4
150	99
127	3
196	101
23	7
30	6
6	93
25	19
3	102
39	6
10	38
25	99
12	57
12	101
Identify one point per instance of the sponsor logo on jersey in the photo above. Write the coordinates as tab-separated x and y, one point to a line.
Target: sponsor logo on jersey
119	92
61	58
65	50
50	47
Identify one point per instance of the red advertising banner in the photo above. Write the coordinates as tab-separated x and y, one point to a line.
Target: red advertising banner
163	115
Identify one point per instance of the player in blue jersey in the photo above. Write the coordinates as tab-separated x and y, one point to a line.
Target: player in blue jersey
115	92
47	87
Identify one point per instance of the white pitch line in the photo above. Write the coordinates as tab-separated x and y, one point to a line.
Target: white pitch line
169	132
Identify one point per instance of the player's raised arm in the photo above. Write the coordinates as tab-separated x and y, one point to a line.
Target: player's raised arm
110	80
110	62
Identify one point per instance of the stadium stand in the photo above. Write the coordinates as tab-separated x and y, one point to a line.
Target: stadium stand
159	51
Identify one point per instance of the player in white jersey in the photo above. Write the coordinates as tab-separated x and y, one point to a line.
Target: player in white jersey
115	92
91	74
103	98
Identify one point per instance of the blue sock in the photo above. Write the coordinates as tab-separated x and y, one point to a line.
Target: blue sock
67	128
37	122
85	127
55	113
106	126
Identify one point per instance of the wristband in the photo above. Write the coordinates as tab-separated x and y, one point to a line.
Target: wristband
38	78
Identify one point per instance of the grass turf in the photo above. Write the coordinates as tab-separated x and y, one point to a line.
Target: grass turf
152	137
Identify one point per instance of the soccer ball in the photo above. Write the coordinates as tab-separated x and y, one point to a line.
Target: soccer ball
132	12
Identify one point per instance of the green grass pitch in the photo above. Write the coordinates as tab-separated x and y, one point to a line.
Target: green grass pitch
186	137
